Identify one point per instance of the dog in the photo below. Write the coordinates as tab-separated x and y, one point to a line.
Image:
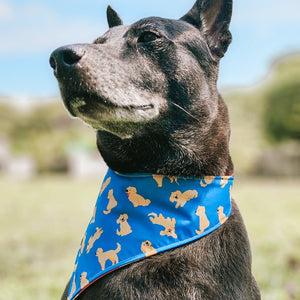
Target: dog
207	180
222	216
135	198
124	226
105	185
182	198
203	220
111	203
83	281
93	239
159	179
150	91
168	223
111	255
148	249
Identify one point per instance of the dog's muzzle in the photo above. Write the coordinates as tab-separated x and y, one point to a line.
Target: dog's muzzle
64	59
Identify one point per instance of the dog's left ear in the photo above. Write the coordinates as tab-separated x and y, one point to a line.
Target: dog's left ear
113	18
212	17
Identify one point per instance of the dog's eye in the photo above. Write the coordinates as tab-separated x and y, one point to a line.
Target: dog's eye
147	37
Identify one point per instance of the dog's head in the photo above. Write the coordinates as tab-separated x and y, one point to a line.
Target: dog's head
154	69
130	190
123	218
200	210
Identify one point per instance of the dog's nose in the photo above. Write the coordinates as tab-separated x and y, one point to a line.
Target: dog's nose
65	58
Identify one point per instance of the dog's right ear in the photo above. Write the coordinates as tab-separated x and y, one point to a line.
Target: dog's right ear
212	17
113	18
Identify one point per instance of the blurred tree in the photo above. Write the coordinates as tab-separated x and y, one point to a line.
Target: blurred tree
282	114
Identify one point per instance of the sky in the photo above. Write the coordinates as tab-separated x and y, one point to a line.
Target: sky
30	30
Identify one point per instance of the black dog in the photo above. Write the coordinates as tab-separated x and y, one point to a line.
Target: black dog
149	90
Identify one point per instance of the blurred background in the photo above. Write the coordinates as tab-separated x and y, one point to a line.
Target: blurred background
50	170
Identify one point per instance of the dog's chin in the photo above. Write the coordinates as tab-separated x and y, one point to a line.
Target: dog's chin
100	114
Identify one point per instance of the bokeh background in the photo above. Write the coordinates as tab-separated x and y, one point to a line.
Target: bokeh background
50	171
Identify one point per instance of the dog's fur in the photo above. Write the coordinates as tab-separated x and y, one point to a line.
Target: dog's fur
150	91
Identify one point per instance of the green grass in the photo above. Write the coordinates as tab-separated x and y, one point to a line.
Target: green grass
42	222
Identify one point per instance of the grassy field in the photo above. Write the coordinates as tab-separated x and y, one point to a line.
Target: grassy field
42	222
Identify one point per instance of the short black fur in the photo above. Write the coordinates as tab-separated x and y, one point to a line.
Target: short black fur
150	91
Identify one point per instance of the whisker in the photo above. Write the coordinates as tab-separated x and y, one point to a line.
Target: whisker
175	104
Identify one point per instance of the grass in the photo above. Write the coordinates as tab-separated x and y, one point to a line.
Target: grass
42	222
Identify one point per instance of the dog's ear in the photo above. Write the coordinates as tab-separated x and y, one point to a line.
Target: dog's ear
212	17
113	18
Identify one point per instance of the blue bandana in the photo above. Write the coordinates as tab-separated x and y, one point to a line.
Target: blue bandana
140	215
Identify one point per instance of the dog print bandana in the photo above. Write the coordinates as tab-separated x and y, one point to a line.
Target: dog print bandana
139	215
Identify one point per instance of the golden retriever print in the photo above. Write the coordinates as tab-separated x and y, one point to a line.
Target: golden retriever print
111	203
125	228
83	280
82	245
168	223
159	179
203	220
93	239
135	198
222	216
108	255
207	180
94	215
182	198
73	288
75	267
105	184
224	181
148	249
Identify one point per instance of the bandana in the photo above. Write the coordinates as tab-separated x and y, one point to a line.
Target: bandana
140	215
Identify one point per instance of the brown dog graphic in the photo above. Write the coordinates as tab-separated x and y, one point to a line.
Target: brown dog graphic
108	255
159	179
222	216
135	198
224	181
73	288
93	239
94	215
82	244
203	220
125	228
148	249
207	180
105	185
182	198
111	203
83	281
168	223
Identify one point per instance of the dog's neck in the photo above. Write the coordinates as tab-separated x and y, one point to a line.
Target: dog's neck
186	150
140	215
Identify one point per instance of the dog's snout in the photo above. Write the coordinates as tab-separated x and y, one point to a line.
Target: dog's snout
65	58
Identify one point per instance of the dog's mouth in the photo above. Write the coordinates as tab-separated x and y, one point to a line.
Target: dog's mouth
85	107
94	108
